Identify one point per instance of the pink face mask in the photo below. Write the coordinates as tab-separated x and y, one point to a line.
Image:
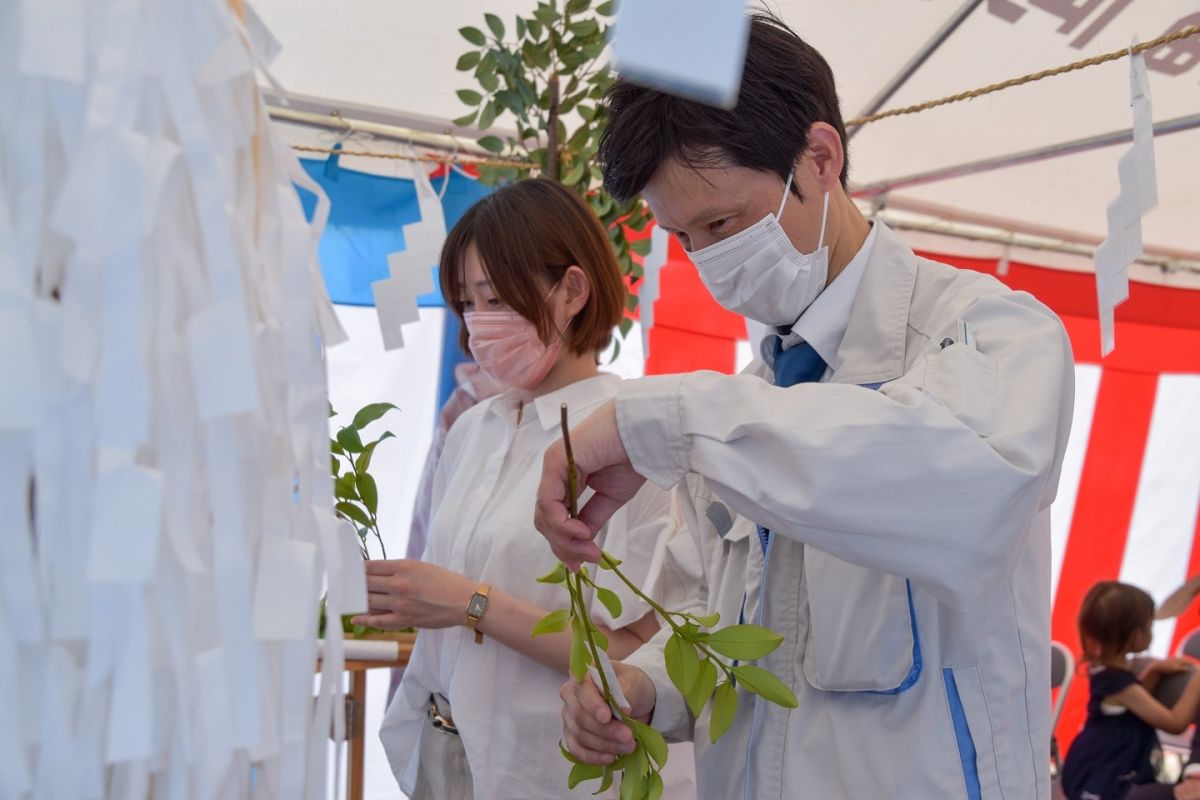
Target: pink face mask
507	347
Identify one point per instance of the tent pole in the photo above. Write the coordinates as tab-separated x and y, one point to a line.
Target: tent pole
1175	125
900	78
1028	241
382	123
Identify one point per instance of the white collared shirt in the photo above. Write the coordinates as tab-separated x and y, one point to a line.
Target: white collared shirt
823	324
505	705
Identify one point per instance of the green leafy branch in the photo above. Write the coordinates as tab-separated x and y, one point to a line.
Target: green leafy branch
549	77
693	659
355	493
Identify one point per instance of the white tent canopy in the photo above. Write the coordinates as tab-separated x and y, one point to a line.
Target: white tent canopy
400	57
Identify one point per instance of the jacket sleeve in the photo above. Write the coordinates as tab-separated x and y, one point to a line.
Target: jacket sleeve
934	477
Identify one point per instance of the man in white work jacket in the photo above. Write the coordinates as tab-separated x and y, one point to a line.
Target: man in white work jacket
876	489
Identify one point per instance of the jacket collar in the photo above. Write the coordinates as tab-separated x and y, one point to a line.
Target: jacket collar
872	351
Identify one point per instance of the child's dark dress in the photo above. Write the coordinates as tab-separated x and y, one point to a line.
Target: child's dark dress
1113	751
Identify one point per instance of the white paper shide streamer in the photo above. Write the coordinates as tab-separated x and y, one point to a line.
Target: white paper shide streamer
165	497
1138	195
410	271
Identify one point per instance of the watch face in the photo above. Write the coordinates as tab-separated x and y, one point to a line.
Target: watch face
477	605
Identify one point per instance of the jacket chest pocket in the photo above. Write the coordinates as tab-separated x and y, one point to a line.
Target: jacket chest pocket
862	632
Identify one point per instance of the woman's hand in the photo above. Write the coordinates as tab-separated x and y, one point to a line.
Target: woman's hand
403	593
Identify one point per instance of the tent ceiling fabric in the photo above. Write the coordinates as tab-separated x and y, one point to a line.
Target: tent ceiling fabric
383	53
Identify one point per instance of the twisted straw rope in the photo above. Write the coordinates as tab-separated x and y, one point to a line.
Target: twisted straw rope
1182	33
1141	47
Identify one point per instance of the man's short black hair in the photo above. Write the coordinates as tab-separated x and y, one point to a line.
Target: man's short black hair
786	87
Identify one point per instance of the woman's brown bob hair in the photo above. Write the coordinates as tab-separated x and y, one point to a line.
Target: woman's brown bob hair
527	235
1111	615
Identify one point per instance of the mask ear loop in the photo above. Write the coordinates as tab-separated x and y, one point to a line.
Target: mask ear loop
824	217
787	189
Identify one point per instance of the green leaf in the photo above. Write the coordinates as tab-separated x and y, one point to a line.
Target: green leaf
465	120
473	35
521	27
332	413
546	15
633	779
353	512
334	447
605	781
702	689
556	575
492	144
607	9
708	620
625	326
469	96
554	622
363	462
723	710
349	440
562	748
583	772
577	6
744	642
495	25
345	487
489	81
368	492
535	29
608	562
641	246
574	174
369	413
579	655
467	61
655	745
654	787
765	685
585	27
601	639
610	600
487	116
683	665
335	466
587	112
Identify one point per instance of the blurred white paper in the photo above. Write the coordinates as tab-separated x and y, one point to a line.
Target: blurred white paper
53	39
126	524
1138	195
652	264
694	51
283	565
614	685
346	576
221	355
19	370
396	305
131	714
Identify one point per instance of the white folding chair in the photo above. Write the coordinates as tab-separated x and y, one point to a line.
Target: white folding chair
1062	673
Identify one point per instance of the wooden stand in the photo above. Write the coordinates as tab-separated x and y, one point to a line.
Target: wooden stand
356	708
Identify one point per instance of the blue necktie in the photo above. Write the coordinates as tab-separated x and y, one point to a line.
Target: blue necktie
799	364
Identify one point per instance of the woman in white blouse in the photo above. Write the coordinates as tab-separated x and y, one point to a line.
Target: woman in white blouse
531	272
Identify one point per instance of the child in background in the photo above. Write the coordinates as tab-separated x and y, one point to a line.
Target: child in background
1111	758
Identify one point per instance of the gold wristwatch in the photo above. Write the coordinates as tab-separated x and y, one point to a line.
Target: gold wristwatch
476	608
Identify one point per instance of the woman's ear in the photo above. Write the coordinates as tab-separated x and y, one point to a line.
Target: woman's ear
576	290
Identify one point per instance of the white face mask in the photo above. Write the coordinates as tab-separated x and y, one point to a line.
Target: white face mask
760	274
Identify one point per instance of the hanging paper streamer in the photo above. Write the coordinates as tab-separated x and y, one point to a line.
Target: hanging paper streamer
1139	194
665	45
165	497
411	270
660	242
